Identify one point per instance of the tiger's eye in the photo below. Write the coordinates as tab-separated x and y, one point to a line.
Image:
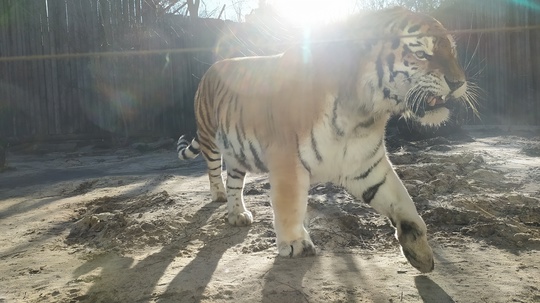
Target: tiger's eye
420	54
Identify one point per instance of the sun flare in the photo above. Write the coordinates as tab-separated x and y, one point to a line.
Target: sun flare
312	12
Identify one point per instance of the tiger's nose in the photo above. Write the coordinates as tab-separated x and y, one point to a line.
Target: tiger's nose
454	85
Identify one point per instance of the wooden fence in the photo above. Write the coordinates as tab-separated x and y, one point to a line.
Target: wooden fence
115	77
127	83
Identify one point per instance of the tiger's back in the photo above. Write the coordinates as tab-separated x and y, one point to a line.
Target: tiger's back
243	99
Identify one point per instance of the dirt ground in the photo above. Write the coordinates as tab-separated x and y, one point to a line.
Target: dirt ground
133	224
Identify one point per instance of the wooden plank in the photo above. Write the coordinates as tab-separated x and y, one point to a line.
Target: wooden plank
138	11
89	24
37	65
23	121
59	34
74	15
5	97
47	102
105	23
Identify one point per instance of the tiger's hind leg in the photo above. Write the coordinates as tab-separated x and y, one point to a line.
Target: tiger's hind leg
237	213
213	162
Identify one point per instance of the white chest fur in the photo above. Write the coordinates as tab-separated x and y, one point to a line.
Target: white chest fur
342	145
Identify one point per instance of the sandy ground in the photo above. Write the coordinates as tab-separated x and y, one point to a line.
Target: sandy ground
133	224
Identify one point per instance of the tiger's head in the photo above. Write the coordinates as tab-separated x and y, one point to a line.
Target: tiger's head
404	62
422	67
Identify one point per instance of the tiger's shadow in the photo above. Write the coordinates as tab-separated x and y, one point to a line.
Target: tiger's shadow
430	291
283	282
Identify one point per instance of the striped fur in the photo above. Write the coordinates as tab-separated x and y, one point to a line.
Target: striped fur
187	150
318	114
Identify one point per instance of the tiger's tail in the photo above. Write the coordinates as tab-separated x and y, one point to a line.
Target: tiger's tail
187	150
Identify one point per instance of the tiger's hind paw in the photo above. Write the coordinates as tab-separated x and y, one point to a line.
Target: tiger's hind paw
297	248
241	219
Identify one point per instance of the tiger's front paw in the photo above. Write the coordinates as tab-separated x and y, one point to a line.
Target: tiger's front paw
296	248
241	219
415	247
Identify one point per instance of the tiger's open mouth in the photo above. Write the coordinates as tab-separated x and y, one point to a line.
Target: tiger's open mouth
432	109
429	108
435	102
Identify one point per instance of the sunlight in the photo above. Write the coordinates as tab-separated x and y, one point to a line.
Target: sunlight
312	12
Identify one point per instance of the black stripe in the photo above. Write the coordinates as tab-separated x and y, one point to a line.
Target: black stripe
370	193
214	175
367	172
224	139
304	164
234	176
241	158
365	124
413	28
406	50
193	149
215	168
238	188
215	152
239	173
314	148
206	146
376	149
208	158
260	165
183	153
228	117
380	71
240	136
221	101
207	114
241	123
386	93
243	173
415	44
395	43
206	131
180	147
338	130
410	229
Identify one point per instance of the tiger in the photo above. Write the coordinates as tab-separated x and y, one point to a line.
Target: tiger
317	113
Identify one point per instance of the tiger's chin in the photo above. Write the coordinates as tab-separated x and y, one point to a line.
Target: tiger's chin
434	117
430	117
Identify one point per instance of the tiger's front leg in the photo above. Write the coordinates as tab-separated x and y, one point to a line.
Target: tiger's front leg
383	190
289	185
